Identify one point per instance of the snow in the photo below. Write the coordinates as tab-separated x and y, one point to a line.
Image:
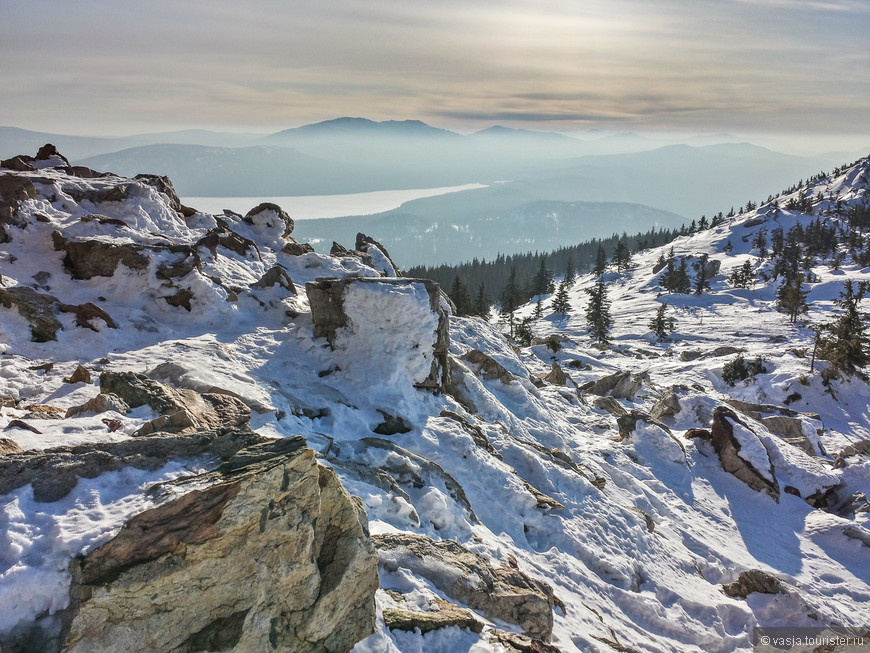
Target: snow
650	590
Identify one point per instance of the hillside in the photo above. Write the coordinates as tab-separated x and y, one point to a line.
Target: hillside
557	496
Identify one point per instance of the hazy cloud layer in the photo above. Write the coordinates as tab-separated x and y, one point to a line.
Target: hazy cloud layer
92	65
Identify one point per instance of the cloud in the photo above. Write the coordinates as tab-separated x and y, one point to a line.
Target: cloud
264	64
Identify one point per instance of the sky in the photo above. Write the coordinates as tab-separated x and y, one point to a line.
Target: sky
116	67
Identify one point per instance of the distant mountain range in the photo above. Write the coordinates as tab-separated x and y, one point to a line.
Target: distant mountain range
555	180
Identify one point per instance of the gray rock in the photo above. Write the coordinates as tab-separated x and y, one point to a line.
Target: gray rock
37	308
270	215
500	593
326	298
556	376
276	275
138	390
754	580
728	449
610	405
102	403
165	186
489	368
441	614
667	405
88	258
266	552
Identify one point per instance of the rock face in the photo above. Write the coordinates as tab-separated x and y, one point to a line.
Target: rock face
341	308
265	553
728	448
500	593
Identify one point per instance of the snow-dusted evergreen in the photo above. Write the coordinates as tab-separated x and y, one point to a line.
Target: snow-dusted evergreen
586	466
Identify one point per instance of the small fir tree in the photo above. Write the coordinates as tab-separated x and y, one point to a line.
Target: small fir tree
539	310
561	304
461	299
600	262
570	272
661	325
791	298
481	302
598	313
847	344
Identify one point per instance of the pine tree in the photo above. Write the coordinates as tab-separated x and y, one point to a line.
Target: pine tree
542	282
682	283
791	297
570	273
660	325
847	346
743	277
481	302
523	333
561	304
622	257
668	279
600	262
461	299
539	310
509	299
598	313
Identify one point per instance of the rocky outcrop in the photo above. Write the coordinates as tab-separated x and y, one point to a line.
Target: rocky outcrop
8	446
378	254
13	191
667	405
102	403
728	448
270	217
178	410
276	275
754	580
88	258
265	552
37	308
329	312
499	593
164	185
440	614
621	385
489	368
557	376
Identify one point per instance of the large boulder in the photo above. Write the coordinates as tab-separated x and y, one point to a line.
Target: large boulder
269	218
395	325
503	592
621	385
265	552
742	453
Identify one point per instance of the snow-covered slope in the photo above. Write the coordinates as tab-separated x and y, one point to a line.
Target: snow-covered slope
596	492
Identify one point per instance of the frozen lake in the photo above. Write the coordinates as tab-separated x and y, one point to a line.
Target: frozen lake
308	207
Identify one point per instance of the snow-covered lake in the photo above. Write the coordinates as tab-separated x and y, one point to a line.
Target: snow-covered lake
308	207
